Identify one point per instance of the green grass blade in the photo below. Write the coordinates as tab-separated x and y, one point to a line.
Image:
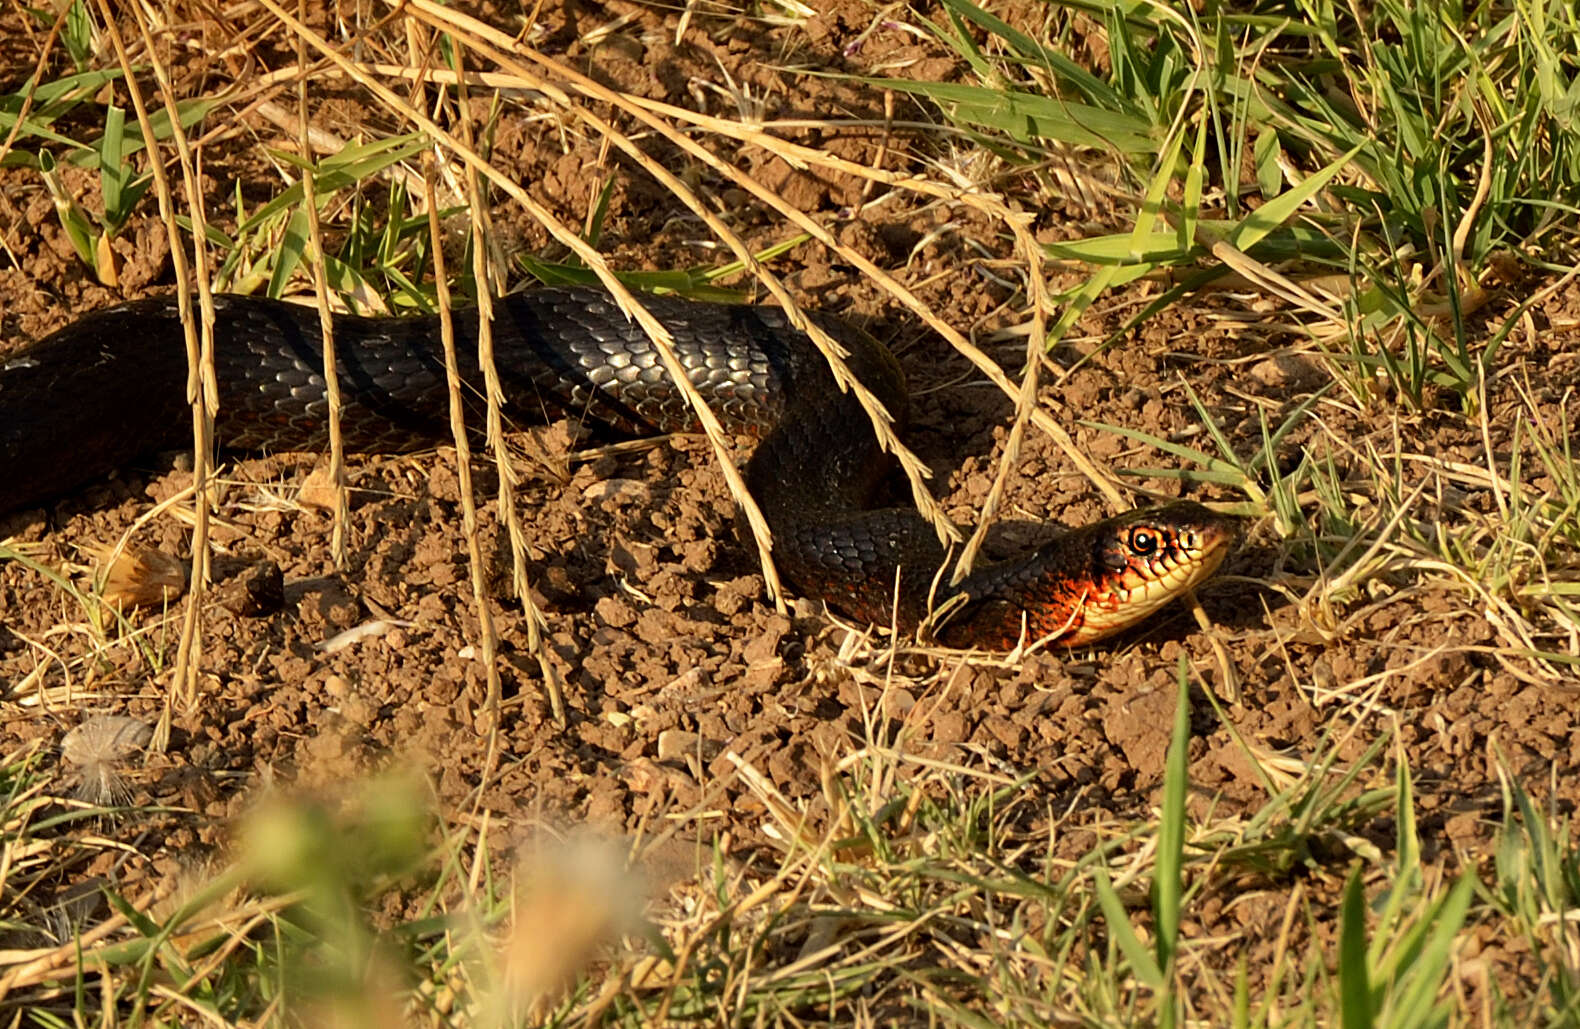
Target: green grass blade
762	256
1407	860
1031	116
1212	464
1413	1005
1355	994
76	221
1195	182
599	213
1124	248
113	171
1028	49
351	165
1259	223
1168	876
291	252
1124	934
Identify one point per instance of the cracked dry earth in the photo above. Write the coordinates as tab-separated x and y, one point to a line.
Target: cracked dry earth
675	667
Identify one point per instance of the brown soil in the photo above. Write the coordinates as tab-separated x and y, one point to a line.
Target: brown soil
671	658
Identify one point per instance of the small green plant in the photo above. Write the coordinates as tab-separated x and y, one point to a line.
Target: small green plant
271	243
78	33
1158	970
109	156
1262	478
1455	140
1536	884
120	190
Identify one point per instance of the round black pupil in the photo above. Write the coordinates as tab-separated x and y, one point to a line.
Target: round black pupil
1143	542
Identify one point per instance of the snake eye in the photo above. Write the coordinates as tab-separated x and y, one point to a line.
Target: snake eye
1143	542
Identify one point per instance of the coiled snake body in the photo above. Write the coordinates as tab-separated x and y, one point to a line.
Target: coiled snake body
111	386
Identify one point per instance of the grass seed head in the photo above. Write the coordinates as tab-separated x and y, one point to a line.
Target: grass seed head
97	747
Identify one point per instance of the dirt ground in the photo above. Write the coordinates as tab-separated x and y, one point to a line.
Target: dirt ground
671	657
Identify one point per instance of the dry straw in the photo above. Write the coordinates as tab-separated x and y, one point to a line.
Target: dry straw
202	390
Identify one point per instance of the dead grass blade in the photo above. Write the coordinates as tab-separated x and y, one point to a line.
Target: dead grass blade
463	453
326	320
494	397
202	390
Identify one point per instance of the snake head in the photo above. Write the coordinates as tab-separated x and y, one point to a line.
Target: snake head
1141	560
1094	581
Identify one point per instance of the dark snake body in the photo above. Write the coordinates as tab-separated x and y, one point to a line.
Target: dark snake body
112	386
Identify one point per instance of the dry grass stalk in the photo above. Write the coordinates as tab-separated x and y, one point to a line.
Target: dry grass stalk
463	452
494	394
1025	400
202	389
326	321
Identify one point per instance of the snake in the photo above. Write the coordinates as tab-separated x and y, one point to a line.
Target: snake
112	386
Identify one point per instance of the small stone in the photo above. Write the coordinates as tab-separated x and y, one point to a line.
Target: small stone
1288	371
674	744
257	591
617	490
318	490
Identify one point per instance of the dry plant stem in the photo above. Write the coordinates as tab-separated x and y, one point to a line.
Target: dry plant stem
1025	402
51	961
79	953
32	86
1273	282
500	46
662	340
498	81
1467	224
494	394
202	391
1228	678
326	329
463	448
